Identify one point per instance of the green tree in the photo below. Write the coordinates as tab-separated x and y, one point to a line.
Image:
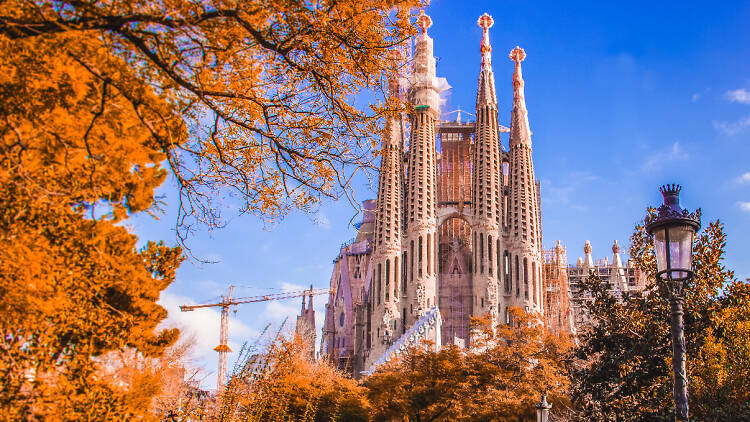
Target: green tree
624	369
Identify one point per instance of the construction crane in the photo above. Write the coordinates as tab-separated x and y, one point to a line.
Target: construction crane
226	302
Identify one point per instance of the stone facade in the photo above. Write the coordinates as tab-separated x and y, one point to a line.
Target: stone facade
620	278
455	230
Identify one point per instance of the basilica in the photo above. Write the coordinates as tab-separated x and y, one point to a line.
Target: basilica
455	230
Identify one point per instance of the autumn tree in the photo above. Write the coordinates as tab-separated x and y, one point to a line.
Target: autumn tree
624	369
266	89
75	161
499	380
166	385
278	381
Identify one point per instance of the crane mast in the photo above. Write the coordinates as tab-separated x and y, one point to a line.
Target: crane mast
226	302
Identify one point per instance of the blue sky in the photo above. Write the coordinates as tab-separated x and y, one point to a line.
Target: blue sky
622	97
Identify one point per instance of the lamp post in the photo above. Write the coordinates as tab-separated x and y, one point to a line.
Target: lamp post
674	230
542	409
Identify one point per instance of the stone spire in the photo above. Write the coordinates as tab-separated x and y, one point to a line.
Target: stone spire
519	127
386	258
486	90
618	278
306	326
523	233
420	243
588	261
486	187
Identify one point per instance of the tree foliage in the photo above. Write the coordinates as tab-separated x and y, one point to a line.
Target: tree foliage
75	160
499	381
279	382
266	89
624	370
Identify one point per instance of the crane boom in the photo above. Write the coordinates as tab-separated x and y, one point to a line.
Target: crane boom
252	299
226	302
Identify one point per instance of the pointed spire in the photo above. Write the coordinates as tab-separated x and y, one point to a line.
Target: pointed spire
616	260
618	270
588	261
485	22
486	89
519	129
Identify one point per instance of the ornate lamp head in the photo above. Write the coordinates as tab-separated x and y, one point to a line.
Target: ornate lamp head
673	229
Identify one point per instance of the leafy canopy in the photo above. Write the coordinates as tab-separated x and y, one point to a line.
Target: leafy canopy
624	368
265	88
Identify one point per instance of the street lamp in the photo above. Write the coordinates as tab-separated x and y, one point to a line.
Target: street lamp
542	409
674	230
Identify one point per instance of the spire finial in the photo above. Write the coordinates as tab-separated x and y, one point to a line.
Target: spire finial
517	55
423	21
615	247
485	22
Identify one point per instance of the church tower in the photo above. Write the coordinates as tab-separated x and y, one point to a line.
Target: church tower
421	188
486	185
386	268
523	241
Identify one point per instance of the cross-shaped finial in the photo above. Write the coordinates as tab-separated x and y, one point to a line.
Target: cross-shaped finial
517	54
485	22
423	21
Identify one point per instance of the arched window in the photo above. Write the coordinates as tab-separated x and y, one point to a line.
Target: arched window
533	278
429	253
481	253
525	278
380	283
507	273
387	279
518	283
405	269
490	256
395	277
499	262
419	257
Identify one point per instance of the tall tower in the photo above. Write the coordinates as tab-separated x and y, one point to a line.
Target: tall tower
523	237
386	268
305	327
486	185
421	186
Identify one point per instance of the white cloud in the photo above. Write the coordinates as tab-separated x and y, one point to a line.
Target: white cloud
745	206
741	96
744	178
732	128
675	153
695	97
